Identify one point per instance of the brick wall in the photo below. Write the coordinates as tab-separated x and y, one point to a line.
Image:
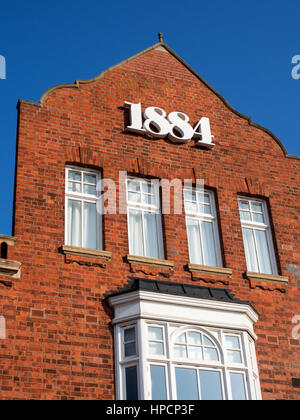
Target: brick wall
59	342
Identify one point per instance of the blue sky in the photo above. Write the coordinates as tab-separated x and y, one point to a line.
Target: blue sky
243	49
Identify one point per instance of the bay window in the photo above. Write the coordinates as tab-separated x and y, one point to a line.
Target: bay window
202	228
188	347
257	236
82	220
144	218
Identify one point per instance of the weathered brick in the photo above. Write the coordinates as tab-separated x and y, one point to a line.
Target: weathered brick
50	341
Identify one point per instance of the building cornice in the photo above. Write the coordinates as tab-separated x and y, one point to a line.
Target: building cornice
182	309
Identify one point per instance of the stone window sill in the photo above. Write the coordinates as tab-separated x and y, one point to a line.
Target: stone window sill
266	277
86	252
10	268
152	262
10	240
205	269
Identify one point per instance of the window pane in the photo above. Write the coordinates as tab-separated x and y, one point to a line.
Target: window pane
74	187
190	207
263	252
147	188
74	176
89	189
244	205
203	198
234	356
245	215
74	223
133	185
136	232
232	341
250	250
131	383
257	217
180	351
194	338
89	178
156	348
195	352
190	195
210	354
193	232
158	382
129	334
207	342
151	235
181	338
186	384
134	197
148	199
210	384
237	386
208	244
204	208
155	333
256	207
90	225
130	349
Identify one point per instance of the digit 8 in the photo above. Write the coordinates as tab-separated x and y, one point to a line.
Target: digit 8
155	118
179	125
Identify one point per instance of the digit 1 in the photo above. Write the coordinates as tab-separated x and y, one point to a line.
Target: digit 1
202	130
136	121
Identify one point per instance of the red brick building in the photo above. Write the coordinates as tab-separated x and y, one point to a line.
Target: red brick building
201	303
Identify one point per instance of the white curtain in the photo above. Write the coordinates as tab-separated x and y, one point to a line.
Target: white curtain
136	233
249	246
208	244
193	231
151	235
74	221
90	225
263	252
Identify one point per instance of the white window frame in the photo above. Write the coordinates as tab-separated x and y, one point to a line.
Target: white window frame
263	227
146	208
212	218
70	195
178	314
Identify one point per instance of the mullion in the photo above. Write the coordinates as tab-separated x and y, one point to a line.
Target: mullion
82	224
199	384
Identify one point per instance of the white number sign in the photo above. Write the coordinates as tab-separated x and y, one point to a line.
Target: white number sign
175	126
